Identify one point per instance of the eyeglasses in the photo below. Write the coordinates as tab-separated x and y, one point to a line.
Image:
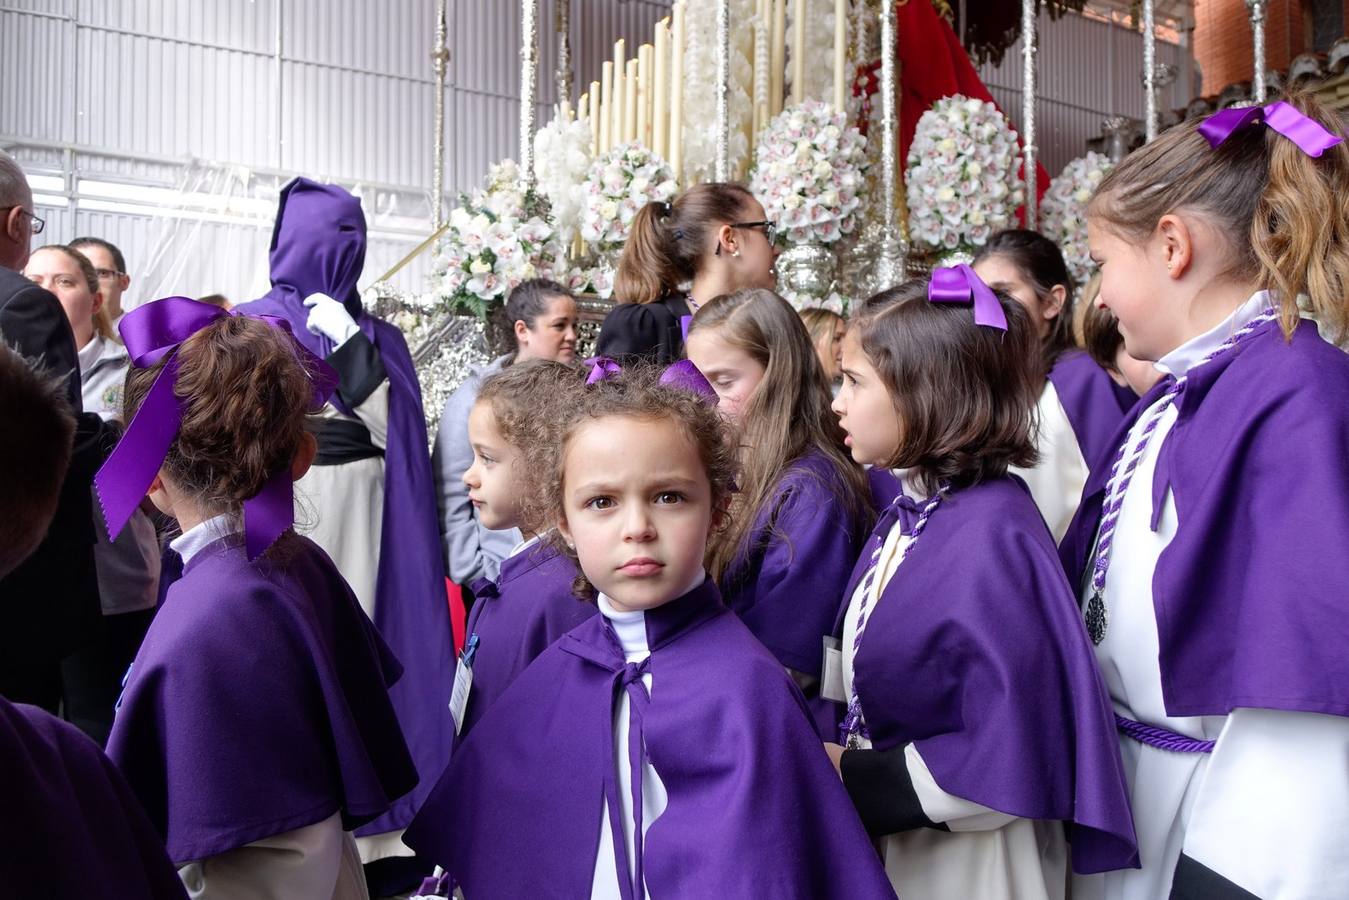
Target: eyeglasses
38	224
770	230
109	273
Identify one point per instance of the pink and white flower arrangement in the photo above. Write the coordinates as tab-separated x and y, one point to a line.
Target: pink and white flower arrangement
1063	212
621	182
492	244
809	171
963	174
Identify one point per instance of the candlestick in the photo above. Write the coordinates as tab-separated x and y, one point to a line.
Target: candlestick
1257	10
722	169
529	61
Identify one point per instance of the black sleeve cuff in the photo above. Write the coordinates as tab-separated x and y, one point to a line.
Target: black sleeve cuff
878	782
360	369
1196	881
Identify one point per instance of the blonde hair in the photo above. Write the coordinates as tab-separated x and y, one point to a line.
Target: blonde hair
1287	212
820	324
787	416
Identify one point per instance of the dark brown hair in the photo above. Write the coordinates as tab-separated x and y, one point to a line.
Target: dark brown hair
531	401
1041	264
636	393
1286	213
787	416
35	448
965	394
1100	335
668	241
245	393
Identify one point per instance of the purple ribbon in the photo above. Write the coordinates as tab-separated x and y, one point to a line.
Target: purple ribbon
685	376
960	284
601	368
1310	135
151	333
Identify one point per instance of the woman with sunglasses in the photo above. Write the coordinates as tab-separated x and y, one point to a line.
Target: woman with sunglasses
713	239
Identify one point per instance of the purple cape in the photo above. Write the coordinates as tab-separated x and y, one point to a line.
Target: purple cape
76	831
787	583
977	655
754	807
257	703
530	606
1252	594
318	244
1094	403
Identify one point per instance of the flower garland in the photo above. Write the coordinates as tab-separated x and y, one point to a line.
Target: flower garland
493	243
1063	212
562	159
963	174
620	183
700	88
809	172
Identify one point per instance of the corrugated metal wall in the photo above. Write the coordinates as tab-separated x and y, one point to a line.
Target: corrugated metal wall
132	90
1089	70
341	90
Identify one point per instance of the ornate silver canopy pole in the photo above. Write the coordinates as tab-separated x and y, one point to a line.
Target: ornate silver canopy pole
1257	10
723	160
1149	73
890	260
562	24
1029	46
440	56
529	65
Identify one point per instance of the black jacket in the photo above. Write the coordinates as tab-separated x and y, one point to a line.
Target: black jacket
50	602
650	331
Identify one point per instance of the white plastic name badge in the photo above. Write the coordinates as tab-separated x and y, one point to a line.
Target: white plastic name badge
831	678
463	683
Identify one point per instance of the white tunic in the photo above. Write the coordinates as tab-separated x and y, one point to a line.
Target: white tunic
986	854
1244	809
1057	480
316	862
631	630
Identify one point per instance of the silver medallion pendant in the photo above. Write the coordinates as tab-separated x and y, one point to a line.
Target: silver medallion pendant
1096	618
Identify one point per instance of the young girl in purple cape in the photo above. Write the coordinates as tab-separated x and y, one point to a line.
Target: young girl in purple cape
977	724
1210	555
1080	406
255	725
656	749
801	513
531	604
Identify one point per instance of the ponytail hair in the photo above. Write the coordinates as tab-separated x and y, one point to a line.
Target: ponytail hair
667	241
1287	212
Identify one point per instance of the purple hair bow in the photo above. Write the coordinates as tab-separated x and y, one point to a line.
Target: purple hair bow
685	376
960	284
151	333
601	368
1310	135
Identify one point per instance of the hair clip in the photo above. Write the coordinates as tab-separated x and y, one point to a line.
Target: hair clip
1311	136
602	368
960	284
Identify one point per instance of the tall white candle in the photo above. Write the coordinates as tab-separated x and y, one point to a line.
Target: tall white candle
799	51
840	54
676	155
660	109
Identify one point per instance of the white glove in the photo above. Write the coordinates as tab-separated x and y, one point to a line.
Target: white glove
330	319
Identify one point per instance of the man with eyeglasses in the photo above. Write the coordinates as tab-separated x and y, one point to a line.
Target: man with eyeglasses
49	605
113	279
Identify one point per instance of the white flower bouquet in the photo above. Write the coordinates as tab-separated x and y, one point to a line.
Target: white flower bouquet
621	182
493	244
562	160
1063	212
810	167
963	178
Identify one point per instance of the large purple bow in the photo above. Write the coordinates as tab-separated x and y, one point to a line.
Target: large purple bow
151	333
685	376
1310	135
601	368
960	284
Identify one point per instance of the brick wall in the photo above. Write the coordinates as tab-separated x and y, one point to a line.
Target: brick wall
1222	39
